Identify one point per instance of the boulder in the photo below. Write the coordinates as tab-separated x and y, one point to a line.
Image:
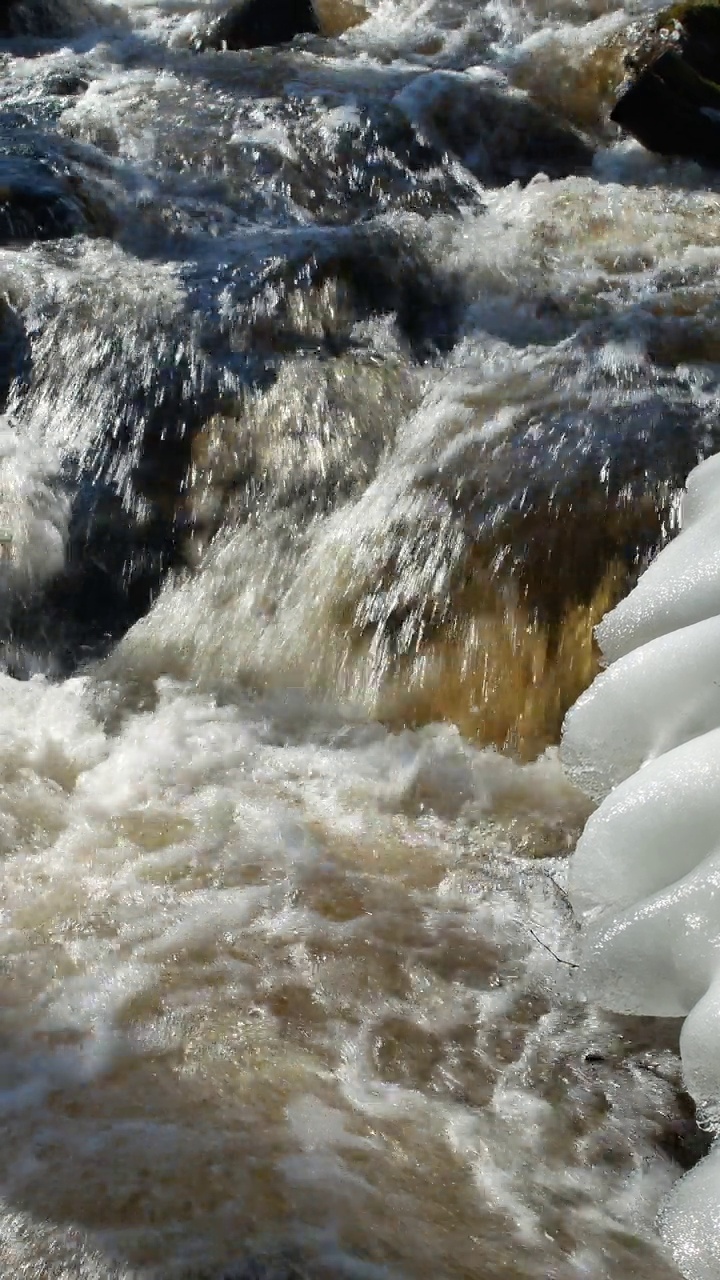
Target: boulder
252	24
45	193
43	18
499	134
34	204
66	84
338	16
671	102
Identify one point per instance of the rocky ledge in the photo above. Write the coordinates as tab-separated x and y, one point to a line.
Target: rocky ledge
671	100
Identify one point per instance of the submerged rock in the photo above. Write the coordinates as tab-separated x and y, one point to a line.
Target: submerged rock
500	135
252	24
672	103
34	204
337	16
44	193
66	84
14	350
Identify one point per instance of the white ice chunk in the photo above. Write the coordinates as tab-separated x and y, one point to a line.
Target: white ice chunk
647	869
658	958
700	1050
652	700
690	1223
652	829
682	586
702	491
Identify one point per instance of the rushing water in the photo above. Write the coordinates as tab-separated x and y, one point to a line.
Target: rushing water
345	389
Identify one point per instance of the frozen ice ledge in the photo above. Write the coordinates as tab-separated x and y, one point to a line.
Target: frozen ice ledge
645	741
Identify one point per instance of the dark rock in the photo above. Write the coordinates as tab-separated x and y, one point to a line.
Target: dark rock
14	351
66	84
252	24
14	18
265	1269
499	135
43	18
681	1138
672	103
377	163
379	272
34	204
115	566
126	528
44	193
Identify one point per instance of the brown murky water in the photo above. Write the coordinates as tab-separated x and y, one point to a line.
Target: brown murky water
364	389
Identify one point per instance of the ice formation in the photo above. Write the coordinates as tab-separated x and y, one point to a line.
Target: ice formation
646	875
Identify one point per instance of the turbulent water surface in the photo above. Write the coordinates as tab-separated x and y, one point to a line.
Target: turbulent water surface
345	386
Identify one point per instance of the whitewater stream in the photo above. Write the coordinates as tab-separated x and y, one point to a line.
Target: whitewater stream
344	386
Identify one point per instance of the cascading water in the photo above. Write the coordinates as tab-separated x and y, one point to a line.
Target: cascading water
345	385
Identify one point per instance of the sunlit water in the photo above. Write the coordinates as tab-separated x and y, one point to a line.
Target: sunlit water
363	390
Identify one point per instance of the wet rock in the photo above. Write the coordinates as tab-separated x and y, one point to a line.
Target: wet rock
679	1133
576	79
44	18
14	350
376	163
44	194
264	1269
672	102
682	1139
34	205
252	24
66	84
375	271
337	16
499	134
474	591
114	564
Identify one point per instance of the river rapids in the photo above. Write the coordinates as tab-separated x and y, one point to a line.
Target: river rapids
345	385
